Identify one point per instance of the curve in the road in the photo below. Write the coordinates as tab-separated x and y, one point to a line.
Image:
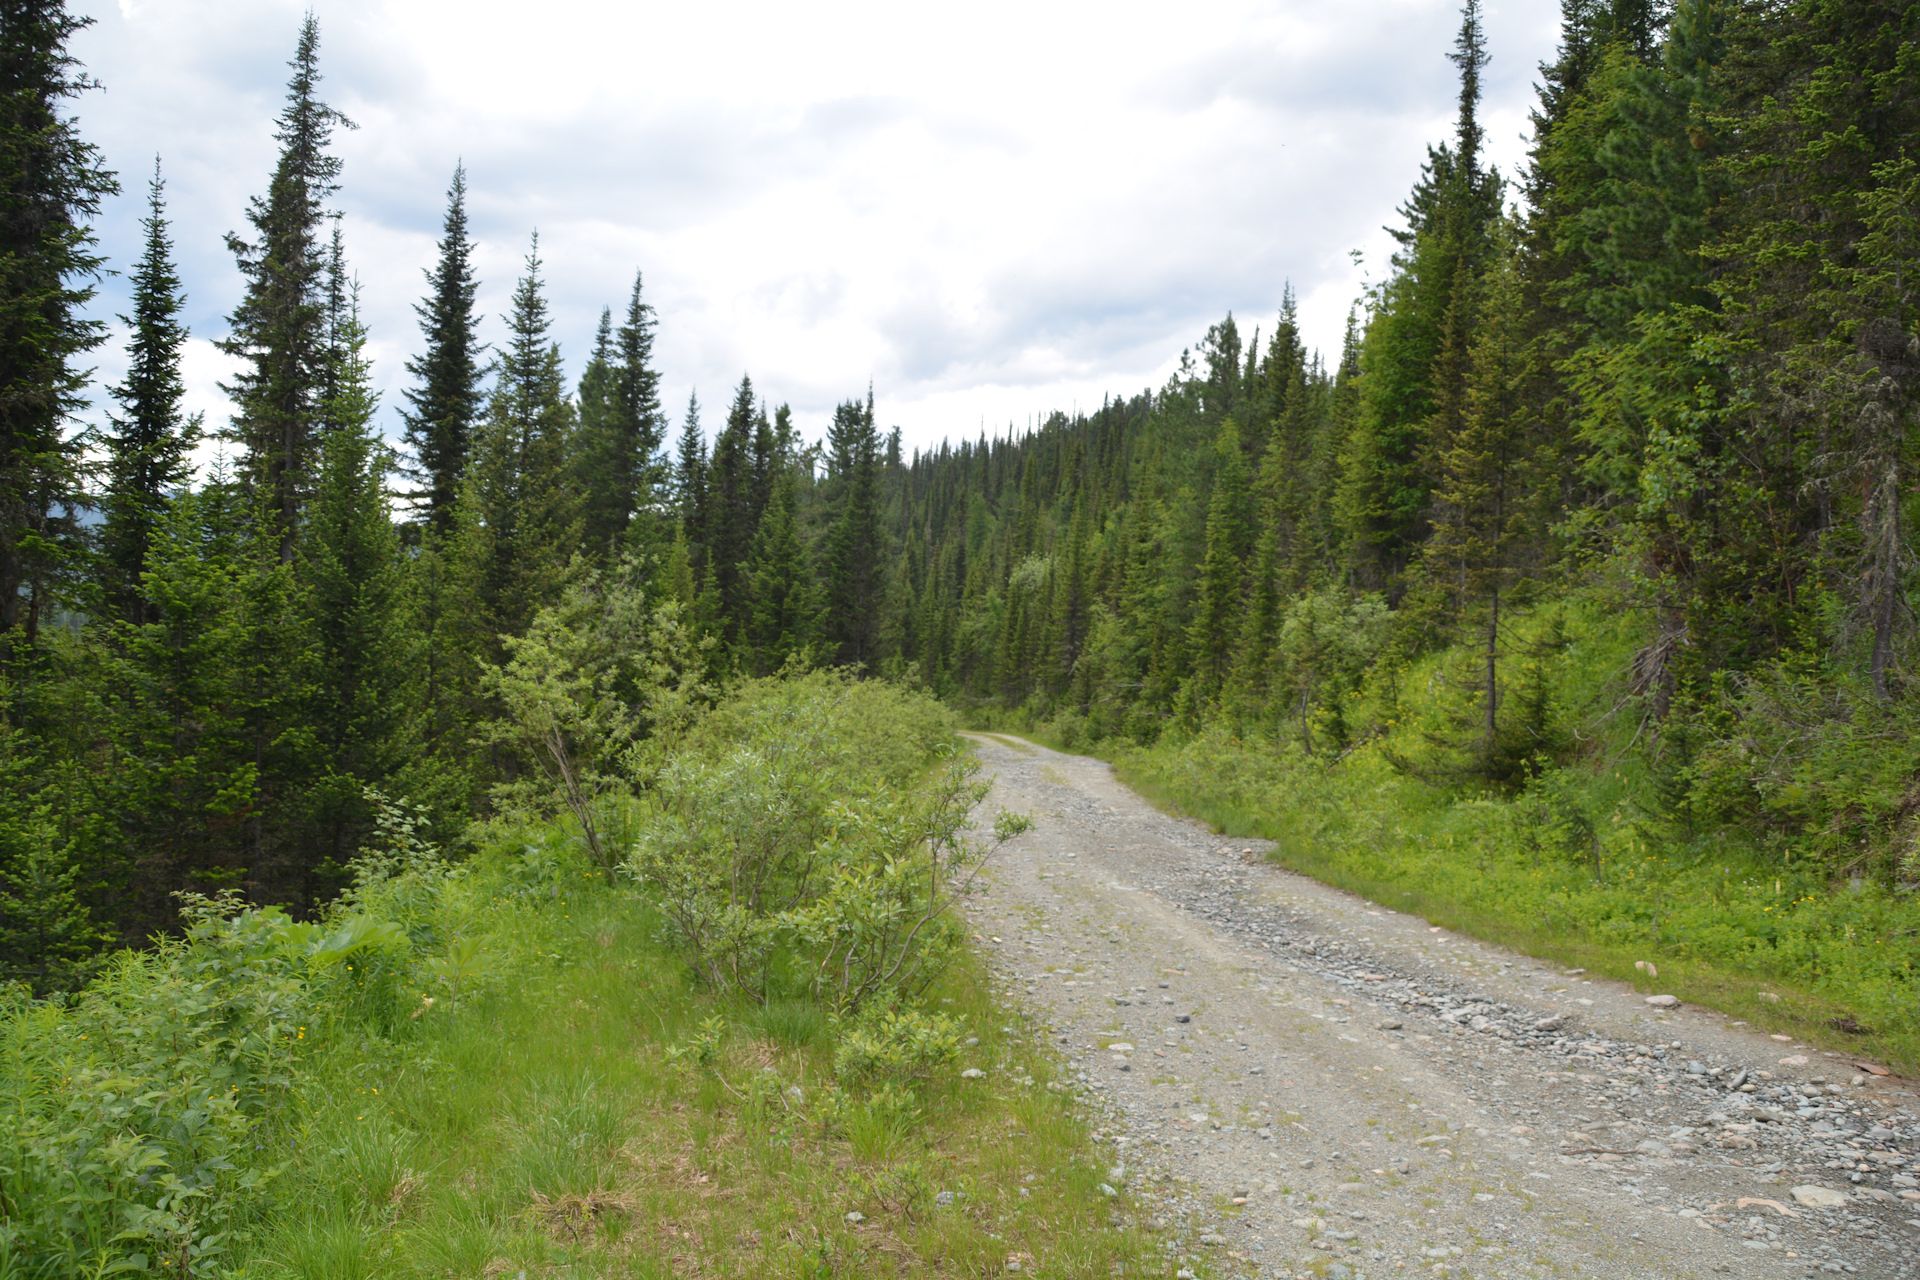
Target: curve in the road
1299	1082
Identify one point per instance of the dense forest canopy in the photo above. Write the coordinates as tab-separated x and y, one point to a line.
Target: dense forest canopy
1668	373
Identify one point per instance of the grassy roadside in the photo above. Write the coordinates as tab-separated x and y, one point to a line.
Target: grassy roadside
523	1064
1758	942
543	1129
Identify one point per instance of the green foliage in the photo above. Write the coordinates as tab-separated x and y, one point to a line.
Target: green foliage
151	440
590	679
129	1131
517	523
787	844
1719	858
1327	641
280	327
140	1130
260	1093
362	714
443	408
53	184
853	562
898	1046
621	431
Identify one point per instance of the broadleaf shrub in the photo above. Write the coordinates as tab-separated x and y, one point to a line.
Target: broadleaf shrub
791	836
897	1047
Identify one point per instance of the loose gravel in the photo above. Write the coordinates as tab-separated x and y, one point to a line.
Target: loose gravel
1291	1081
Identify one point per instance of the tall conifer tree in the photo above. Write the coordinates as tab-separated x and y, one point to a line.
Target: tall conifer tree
447	399
185	781
1415	354
50	191
1220	594
151	441
852	551
690	472
603	481
363	718
622	428
519	508
280	329
642	426
736	490
780	588
1485	513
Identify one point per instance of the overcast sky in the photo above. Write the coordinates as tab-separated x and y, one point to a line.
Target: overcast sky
989	211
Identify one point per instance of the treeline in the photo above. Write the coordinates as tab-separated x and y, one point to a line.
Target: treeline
208	681
1668	373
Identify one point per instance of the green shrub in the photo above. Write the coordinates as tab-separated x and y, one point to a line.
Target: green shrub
133	1131
128	1135
790	834
149	1120
897	1047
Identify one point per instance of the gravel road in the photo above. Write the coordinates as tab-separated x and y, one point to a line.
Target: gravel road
1294	1081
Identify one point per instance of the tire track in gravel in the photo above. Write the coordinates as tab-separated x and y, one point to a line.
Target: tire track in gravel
1293	1081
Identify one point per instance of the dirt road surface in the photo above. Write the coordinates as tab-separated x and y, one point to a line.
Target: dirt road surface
1294	1081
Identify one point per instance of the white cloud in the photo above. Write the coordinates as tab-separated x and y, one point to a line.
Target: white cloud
990	211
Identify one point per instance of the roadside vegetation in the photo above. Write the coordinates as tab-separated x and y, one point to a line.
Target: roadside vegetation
1721	874
532	1061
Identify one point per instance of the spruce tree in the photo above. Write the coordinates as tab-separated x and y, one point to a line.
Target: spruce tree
280	329
621	430
46	931
519	522
780	586
642	424
149	448
1072	620
185	784
736	489
852	551
363	719
1644	218
446	402
1874	459
602	481
1415	353
690	473
52	187
1220	591
1485	499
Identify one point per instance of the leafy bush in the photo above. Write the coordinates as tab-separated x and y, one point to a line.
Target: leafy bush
127	1142
590	682
897	1047
132	1135
149	1119
794	838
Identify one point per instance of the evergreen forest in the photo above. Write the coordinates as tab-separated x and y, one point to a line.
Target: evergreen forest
1602	508
1569	603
